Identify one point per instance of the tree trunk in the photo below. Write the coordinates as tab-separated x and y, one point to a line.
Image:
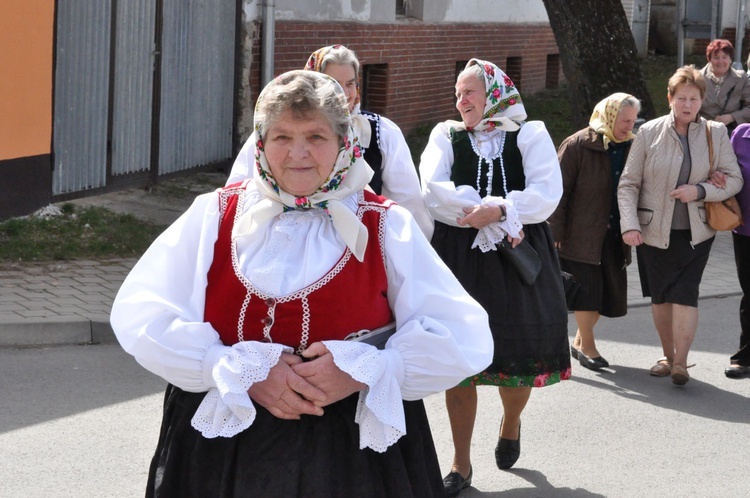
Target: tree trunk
598	54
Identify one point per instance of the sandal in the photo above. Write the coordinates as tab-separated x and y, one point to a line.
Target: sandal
680	375
662	368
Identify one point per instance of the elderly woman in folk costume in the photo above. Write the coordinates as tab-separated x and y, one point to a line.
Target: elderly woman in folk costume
586	223
383	145
492	180
245	306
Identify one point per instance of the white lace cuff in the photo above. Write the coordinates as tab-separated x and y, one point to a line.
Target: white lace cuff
227	410
490	235
380	411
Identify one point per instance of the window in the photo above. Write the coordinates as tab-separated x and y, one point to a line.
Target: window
400	7
374	88
552	78
513	70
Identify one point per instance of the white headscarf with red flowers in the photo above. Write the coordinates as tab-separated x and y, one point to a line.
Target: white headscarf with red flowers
503	108
349	175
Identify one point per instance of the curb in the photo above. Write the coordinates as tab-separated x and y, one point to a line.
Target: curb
62	332
58	332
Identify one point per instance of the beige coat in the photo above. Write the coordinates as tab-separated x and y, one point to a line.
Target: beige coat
651	172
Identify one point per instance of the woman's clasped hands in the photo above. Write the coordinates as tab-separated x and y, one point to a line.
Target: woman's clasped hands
295	387
482	215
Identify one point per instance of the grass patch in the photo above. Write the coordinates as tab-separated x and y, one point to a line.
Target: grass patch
75	233
657	69
553	107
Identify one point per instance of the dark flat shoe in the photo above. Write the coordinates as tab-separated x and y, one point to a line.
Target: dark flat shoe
454	482
592	363
574	353
507	451
736	371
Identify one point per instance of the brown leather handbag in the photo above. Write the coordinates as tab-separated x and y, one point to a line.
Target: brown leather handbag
720	215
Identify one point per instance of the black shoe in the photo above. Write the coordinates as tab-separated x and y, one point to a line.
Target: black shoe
574	352
736	371
454	482
592	363
507	451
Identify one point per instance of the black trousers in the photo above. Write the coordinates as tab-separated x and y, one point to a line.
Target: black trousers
742	259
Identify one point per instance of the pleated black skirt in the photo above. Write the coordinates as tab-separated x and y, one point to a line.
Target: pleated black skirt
311	457
529	323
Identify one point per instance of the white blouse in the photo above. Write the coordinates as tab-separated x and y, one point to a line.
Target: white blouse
533	204
443	334
399	175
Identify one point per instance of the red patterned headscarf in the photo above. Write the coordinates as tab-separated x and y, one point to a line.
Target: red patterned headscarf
503	108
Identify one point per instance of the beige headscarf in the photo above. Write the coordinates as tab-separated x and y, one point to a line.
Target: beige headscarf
604	116
349	175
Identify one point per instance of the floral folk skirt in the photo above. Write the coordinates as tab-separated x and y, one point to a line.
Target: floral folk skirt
529	324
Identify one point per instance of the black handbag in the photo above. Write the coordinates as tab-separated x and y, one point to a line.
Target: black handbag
524	259
571	288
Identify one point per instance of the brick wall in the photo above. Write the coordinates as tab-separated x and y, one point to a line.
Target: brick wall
417	61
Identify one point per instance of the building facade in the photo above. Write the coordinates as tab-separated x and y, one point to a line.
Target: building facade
107	94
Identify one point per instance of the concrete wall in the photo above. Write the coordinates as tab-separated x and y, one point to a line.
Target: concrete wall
472	11
26	28
26	37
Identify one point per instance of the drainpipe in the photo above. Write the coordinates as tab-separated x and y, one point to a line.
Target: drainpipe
266	60
739	35
680	24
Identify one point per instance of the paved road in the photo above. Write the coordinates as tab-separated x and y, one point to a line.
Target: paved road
82	421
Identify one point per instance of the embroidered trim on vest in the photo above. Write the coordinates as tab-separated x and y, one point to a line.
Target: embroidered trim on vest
302	294
375	118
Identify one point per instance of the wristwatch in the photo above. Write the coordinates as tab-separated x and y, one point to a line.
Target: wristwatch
503	215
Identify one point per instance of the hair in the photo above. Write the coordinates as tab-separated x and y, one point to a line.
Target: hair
719	45
686	75
631	101
475	69
340	54
303	93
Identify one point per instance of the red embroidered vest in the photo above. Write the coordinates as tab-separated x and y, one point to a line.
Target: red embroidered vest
352	296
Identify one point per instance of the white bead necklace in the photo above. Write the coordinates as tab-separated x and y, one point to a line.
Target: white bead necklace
489	160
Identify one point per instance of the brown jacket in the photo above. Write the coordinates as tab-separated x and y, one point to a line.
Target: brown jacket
580	221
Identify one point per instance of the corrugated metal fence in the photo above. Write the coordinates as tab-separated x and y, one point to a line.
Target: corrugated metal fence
142	87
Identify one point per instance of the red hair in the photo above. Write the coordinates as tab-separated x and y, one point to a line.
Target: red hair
719	45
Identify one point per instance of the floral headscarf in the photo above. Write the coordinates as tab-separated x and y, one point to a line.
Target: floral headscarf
359	122
503	107
605	115
315	63
350	174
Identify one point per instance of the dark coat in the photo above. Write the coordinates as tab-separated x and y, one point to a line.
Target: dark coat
580	221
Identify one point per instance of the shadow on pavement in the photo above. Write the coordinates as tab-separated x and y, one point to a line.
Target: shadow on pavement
696	398
43	384
542	488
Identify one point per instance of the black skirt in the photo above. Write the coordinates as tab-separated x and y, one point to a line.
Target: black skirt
529	323
311	457
604	287
673	275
